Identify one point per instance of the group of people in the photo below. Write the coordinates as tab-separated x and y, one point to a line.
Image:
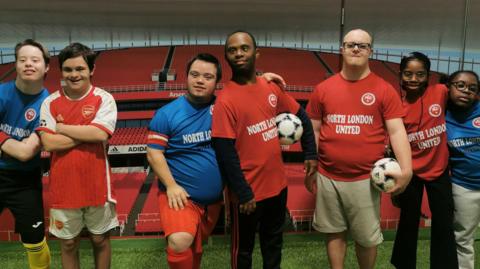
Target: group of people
74	125
199	143
433	129
207	148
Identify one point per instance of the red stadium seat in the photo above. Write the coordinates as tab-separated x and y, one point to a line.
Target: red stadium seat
300	203
141	62
148	221
127	188
129	136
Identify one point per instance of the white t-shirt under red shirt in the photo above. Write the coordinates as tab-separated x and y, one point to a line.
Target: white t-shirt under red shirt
80	176
353	133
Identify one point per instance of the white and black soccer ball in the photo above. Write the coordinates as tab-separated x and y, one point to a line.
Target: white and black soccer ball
377	175
289	127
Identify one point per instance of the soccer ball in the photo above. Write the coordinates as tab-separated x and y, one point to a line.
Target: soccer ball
289	128
377	175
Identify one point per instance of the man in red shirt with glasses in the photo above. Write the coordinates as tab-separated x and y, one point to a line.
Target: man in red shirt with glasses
351	114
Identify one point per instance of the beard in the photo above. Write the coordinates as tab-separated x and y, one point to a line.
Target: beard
245	69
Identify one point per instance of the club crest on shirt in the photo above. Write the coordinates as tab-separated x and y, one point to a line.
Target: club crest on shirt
435	110
476	122
30	114
368	99
58	224
272	100
88	111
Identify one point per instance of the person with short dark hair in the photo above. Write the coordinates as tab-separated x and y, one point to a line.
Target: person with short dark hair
180	153
20	169
245	139
75	124
463	134
424	120
352	112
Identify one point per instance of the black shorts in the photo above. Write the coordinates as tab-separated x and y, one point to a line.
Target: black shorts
21	192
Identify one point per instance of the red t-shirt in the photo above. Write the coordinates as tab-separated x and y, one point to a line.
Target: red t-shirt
80	176
425	125
247	114
352	133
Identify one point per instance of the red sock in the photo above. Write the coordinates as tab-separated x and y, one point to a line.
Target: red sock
182	260
197	260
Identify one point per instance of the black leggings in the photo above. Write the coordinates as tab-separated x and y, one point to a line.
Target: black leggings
269	218
443	253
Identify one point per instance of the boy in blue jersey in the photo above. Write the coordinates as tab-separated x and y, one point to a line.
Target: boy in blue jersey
20	173
463	133
179	151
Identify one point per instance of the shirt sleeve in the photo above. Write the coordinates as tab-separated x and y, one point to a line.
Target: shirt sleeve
229	165
308	137
285	102
444	90
3	134
47	120
223	120
392	105
314	106
106	116
158	131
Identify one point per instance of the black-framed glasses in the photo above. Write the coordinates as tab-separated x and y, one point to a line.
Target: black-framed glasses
352	45
464	87
419	75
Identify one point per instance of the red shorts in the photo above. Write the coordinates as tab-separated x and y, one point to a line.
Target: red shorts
194	219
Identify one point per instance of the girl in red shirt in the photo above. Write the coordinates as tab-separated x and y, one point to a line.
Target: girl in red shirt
424	107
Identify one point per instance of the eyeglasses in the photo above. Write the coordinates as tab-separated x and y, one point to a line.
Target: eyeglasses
462	86
352	45
419	75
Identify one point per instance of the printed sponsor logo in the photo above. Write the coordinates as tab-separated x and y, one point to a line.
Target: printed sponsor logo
137	149
36	225
127	149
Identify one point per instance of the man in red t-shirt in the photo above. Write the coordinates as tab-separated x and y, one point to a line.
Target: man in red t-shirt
245	139
350	112
75	124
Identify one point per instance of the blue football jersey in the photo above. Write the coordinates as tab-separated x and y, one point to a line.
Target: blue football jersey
463	132
19	117
183	131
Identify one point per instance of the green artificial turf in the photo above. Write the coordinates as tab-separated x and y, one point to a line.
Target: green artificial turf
300	251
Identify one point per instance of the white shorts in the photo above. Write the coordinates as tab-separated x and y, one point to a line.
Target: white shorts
353	206
68	223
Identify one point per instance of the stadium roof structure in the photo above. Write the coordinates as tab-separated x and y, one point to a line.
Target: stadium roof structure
405	23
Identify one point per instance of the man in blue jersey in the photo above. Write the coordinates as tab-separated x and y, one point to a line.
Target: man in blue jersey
463	133
20	173
179	151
